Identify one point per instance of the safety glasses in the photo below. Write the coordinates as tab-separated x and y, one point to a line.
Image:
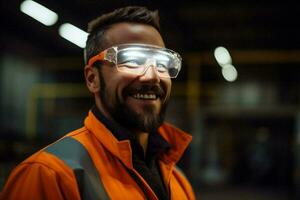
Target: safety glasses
137	58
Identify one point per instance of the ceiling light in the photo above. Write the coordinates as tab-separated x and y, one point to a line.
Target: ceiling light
222	56
229	73
73	34
39	12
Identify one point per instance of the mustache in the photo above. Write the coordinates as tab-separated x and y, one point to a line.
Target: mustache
146	88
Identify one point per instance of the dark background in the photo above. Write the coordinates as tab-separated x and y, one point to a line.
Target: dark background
246	133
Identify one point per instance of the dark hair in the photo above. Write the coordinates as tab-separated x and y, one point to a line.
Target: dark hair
97	27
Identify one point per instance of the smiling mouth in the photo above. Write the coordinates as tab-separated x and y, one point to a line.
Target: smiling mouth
145	96
144	93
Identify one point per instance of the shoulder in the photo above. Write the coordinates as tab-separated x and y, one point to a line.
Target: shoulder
40	177
44	162
45	158
183	182
180	172
33	177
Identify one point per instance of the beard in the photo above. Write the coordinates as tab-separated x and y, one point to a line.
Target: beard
149	120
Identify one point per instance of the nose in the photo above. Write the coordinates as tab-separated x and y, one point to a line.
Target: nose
150	74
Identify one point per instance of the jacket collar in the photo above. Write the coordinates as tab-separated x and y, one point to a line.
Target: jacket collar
156	143
177	139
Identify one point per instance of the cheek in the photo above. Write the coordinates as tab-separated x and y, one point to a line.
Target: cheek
117	87
167	85
112	90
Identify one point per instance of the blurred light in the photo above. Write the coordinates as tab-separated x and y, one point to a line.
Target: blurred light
229	73
73	34
222	56
39	12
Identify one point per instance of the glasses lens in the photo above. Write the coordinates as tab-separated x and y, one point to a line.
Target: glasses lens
136	60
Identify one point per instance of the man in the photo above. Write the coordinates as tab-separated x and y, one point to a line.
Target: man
124	150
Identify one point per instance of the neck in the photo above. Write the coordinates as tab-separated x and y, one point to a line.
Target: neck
142	138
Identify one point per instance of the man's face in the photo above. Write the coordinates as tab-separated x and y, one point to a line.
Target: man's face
136	102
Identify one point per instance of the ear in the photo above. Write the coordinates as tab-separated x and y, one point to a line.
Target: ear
92	78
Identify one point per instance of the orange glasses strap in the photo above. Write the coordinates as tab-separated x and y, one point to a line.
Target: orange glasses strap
97	57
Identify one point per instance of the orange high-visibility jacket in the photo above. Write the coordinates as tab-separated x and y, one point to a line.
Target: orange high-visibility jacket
90	163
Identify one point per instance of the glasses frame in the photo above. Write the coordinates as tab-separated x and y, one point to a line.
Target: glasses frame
110	53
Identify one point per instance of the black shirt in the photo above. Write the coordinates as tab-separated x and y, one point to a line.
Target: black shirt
147	166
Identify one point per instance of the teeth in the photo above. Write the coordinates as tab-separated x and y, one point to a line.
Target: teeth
145	96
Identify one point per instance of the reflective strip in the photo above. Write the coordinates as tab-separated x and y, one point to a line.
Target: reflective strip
74	154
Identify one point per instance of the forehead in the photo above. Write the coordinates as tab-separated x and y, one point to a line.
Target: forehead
122	33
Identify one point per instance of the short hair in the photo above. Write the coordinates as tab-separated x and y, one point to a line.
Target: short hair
97	27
